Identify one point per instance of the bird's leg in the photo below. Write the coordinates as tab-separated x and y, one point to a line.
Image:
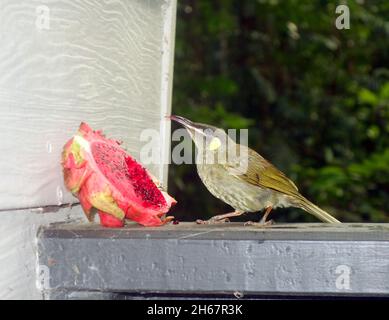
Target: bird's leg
267	212
220	218
263	222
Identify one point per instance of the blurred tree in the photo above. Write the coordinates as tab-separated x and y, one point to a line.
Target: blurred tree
315	98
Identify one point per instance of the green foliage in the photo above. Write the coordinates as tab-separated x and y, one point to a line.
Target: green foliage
315	98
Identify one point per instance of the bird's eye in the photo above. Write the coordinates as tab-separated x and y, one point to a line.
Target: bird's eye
214	144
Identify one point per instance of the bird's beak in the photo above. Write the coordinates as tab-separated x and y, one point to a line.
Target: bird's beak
189	125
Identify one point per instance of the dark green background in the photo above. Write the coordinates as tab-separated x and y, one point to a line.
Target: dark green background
314	98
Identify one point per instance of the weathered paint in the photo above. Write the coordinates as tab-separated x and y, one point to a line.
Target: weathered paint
18	244
105	62
108	63
290	259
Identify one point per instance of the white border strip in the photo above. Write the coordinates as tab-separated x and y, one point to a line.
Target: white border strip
167	68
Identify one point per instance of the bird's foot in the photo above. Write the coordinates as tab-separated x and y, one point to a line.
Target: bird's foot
263	223
221	218
260	224
212	220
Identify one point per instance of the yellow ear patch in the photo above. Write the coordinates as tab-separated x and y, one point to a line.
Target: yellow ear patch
215	144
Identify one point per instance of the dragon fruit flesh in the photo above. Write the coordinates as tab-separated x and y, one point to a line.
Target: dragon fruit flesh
103	176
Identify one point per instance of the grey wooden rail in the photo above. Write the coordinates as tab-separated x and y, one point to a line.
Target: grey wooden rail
230	260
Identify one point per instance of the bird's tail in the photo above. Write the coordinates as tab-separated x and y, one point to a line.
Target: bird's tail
308	206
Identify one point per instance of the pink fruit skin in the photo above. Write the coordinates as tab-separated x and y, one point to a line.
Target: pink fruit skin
115	200
147	217
110	221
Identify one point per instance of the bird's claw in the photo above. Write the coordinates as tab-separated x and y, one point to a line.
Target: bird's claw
249	223
212	220
259	224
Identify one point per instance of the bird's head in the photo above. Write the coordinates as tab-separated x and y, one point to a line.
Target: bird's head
207	138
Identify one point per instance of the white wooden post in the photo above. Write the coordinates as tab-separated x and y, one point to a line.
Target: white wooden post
62	62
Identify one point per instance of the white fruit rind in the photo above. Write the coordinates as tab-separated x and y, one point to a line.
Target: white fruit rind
83	143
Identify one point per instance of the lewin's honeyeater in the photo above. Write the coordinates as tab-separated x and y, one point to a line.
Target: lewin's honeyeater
241	177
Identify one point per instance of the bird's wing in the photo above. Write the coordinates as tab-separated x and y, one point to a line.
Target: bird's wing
262	173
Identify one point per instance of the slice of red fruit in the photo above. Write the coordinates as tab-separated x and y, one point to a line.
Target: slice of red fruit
105	177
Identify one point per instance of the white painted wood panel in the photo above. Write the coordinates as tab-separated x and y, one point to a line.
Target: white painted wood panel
105	62
18	249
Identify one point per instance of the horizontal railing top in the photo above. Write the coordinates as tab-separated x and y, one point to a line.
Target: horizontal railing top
228	231
285	259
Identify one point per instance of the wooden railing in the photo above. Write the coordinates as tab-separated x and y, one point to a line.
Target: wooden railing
230	260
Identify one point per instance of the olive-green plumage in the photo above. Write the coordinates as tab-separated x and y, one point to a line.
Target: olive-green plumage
241	177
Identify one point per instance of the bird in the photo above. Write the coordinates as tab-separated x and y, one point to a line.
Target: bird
242	178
